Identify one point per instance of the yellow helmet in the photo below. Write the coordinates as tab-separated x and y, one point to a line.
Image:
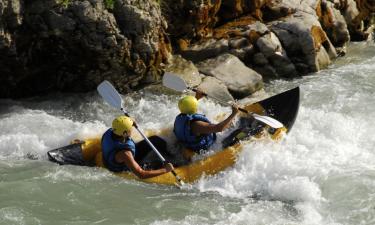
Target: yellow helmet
122	124
188	105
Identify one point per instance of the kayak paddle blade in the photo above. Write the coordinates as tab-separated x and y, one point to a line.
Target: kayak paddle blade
174	82
110	94
268	120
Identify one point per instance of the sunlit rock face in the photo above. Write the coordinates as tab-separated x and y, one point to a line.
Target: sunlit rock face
284	38
240	80
72	45
46	45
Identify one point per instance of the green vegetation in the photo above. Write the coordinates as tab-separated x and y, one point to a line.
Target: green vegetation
65	3
109	4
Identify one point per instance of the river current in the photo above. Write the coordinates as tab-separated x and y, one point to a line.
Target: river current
322	172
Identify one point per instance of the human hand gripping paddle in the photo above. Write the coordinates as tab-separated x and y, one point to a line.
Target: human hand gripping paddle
176	83
113	98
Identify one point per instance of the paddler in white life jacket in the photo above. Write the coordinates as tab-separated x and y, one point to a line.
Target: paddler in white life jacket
194	130
120	153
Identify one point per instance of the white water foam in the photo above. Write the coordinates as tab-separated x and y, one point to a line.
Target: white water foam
34	132
321	173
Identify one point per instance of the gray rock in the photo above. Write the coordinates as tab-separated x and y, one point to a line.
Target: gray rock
272	49
323	58
259	59
238	43
298	38
350	12
334	24
143	22
59	22
258	27
267	71
13	12
184	69
216	88
74	46
205	49
240	80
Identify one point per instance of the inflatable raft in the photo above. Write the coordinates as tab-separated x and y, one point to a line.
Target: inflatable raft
282	107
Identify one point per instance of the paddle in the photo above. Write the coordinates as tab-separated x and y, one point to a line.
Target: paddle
113	98
176	83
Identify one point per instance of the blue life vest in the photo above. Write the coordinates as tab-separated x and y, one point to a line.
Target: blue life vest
183	132
111	146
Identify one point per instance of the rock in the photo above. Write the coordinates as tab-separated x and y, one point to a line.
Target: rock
12	13
268	72
184	69
302	38
215	88
323	58
205	49
58	22
238	43
258	27
354	17
193	19
272	49
333	23
74	45
240	80
242	53
55	45
259	59
259	9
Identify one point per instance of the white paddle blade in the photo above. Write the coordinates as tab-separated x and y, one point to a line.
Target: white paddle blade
174	82
110	94
268	120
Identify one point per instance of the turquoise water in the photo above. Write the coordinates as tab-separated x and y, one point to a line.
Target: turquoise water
322	173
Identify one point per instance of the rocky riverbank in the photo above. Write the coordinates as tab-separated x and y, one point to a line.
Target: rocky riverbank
231	45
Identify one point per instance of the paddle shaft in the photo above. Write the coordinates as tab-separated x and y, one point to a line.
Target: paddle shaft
150	143
153	147
113	98
221	101
176	83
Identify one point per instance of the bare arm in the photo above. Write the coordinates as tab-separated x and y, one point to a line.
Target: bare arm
200	127
127	158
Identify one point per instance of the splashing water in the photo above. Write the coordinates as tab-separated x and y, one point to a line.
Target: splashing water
321	173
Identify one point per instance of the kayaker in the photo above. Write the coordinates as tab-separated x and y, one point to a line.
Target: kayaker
194	130
120	153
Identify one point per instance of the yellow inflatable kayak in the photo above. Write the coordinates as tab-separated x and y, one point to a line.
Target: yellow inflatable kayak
283	107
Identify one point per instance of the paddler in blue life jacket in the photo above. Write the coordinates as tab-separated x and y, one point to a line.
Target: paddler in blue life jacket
120	153
194	130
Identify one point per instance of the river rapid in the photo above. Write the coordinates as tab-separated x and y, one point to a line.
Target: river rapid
322	172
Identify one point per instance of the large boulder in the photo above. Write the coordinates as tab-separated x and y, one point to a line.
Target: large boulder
50	45
359	15
270	46
334	24
240	80
215	88
184	69
193	19
302	37
205	49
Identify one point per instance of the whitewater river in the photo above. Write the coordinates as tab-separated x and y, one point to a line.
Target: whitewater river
323	172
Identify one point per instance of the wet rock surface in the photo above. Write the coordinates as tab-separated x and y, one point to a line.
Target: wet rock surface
72	45
49	46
